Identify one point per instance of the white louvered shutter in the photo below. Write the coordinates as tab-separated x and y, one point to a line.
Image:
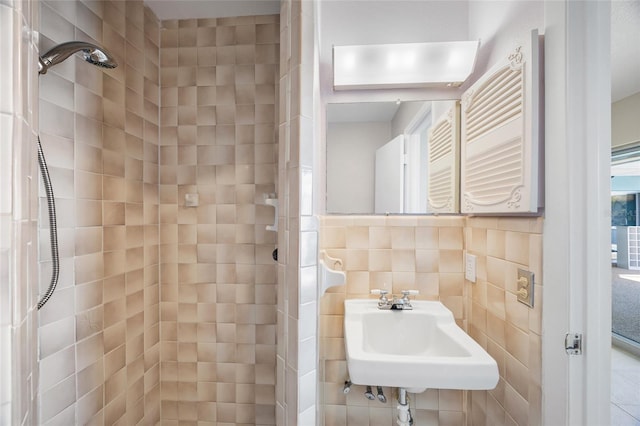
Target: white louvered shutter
443	169
500	138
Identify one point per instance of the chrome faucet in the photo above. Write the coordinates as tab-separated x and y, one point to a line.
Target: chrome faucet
395	303
383	301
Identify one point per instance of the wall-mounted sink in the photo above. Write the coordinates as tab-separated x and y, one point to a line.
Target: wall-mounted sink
417	349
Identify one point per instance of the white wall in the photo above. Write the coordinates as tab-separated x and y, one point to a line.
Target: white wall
350	165
408	110
625	125
404	116
370	22
500	25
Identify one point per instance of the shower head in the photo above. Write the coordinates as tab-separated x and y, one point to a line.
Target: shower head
90	52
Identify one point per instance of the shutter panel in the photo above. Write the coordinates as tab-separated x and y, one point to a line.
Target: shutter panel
443	169
500	136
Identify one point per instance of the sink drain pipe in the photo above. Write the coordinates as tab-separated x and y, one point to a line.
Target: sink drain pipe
404	413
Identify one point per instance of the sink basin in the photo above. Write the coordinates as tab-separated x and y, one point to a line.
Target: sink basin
413	349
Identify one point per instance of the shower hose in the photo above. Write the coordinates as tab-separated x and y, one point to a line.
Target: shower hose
53	227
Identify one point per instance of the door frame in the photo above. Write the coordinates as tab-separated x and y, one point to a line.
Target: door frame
576	297
414	201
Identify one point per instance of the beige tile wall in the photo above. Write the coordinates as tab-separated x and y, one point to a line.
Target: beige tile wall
218	285
18	213
99	333
395	253
508	330
426	253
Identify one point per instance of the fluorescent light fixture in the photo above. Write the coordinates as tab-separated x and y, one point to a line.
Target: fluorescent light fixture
403	65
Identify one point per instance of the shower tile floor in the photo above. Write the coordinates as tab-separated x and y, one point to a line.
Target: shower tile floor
625	388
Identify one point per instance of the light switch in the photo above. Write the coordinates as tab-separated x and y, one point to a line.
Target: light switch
470	267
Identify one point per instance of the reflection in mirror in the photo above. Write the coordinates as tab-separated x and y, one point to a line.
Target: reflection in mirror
378	157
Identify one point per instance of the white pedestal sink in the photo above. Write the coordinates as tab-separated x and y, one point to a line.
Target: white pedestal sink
413	349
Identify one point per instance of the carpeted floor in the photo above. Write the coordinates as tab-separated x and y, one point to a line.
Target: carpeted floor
625	298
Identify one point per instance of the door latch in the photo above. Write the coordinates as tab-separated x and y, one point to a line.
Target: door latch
573	343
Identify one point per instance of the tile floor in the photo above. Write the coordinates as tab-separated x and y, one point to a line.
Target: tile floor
625	388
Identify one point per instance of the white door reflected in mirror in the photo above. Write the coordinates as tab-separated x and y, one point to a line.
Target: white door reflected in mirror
378	159
388	185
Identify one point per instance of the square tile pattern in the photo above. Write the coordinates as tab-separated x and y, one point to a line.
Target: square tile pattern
100	332
426	254
205	333
218	282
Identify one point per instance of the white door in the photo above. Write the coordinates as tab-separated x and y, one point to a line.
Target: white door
389	177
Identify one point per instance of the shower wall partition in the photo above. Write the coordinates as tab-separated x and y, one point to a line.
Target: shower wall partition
18	214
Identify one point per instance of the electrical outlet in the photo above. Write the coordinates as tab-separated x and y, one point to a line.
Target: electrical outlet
470	267
525	286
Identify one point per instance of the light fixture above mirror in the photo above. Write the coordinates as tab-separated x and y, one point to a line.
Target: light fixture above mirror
404	65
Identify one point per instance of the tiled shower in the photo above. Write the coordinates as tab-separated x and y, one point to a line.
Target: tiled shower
159	306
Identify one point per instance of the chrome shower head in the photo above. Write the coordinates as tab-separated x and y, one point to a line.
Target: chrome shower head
90	52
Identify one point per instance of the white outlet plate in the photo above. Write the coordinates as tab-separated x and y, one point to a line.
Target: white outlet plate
470	267
525	285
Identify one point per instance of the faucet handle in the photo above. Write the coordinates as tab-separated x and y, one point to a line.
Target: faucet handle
383	295
379	291
407	293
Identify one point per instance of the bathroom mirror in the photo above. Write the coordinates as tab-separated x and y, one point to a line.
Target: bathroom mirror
378	159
